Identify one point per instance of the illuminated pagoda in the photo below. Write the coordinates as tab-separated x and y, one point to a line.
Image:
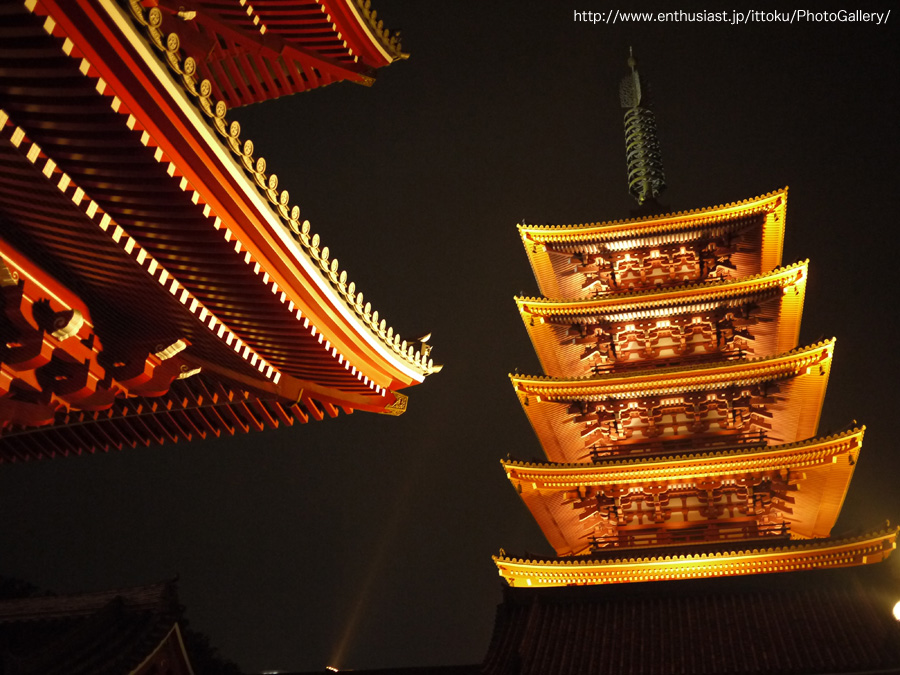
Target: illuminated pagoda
156	283
679	419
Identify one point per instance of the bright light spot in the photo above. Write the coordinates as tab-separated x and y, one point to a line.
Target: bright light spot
331	668
897	611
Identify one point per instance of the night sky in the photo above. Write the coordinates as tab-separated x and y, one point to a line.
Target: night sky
365	541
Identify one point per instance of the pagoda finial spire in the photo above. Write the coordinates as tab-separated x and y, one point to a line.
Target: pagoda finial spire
646	179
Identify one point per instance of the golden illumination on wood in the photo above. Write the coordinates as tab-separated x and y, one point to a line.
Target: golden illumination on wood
730	241
757	316
677	413
750	557
797	488
777	397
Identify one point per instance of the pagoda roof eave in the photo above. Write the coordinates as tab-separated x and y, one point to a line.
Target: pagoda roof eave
698	561
644	300
609	471
674	378
666	222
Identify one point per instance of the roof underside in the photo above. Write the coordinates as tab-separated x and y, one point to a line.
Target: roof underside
194	408
82	143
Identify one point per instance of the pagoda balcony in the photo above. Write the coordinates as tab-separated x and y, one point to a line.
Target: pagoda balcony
730	353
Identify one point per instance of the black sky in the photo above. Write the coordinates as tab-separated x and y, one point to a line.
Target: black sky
376	533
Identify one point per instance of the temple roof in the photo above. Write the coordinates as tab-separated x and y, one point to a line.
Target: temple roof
165	195
817	621
695	561
106	633
259	51
549	246
821	468
158	598
306	243
774	298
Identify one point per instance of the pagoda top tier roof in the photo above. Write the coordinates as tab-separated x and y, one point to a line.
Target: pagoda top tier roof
644	226
756	224
697	561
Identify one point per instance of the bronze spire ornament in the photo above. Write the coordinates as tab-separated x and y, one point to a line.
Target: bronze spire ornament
646	178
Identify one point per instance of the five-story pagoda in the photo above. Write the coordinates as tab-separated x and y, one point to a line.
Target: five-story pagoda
677	412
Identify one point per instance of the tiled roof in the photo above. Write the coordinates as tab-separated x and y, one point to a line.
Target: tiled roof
104	633
834	621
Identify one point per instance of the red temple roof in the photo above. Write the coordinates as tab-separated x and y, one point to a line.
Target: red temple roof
251	52
132	630
150	207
